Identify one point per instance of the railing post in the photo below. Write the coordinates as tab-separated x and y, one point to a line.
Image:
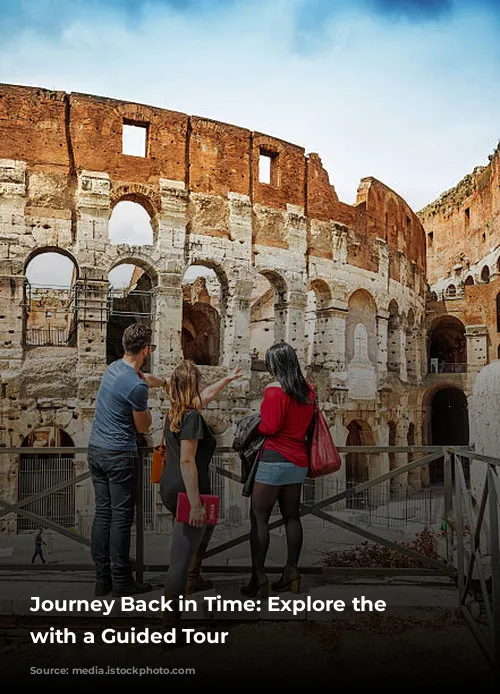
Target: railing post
460	532
448	504
139	519
495	562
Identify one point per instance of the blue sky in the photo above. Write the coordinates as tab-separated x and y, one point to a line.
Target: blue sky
404	90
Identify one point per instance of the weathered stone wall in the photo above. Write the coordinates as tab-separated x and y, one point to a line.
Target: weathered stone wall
463	227
62	171
463	256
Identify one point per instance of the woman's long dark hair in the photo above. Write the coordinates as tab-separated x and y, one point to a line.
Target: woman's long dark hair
283	365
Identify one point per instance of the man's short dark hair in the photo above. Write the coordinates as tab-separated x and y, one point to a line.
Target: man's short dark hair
136	337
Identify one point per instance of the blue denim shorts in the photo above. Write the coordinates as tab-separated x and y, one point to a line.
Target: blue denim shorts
277	474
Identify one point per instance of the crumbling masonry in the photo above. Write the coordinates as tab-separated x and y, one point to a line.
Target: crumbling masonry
63	171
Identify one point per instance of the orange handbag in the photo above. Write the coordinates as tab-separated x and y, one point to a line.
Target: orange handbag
159	458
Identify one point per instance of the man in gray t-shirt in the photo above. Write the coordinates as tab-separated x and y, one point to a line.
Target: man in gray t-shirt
121	412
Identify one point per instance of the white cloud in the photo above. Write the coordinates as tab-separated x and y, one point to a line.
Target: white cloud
416	105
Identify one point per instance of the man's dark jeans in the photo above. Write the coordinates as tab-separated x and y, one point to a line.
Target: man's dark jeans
114	475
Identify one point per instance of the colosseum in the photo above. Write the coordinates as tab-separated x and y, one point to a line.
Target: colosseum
242	242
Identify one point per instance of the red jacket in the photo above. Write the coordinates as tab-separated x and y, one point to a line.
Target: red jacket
285	422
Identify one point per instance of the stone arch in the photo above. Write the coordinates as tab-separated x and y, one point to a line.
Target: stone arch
268	314
448	423
469	281
485	274
451	291
130	299
143	195
49	301
52	249
40	470
204	311
142	212
361	308
317	320
358	465
447	345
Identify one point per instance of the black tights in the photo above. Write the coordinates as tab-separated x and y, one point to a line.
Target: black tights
264	497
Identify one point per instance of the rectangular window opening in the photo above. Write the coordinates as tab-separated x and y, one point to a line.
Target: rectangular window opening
467	216
430	237
134	138
264	168
268	168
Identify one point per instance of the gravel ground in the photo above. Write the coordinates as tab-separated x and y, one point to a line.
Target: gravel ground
369	649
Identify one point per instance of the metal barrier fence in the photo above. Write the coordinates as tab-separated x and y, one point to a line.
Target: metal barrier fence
472	544
48	337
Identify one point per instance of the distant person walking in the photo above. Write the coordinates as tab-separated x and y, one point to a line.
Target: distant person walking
38	546
121	412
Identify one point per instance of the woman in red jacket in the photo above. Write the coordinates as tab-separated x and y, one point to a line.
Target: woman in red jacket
286	414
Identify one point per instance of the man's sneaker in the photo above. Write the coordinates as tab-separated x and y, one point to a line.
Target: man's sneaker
102	588
122	589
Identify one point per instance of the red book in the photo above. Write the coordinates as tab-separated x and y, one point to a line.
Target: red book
209	501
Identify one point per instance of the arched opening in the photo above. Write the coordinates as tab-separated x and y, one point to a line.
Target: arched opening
203	313
447	346
451	291
39	471
469	281
358	464
485	274
318	344
49	300
130	301
130	223
362	309
498	312
267	315
393	339
449	426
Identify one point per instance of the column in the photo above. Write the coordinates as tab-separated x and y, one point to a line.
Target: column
295	324
382	337
172	225
237	328
335	341
403	369
477	346
93	211
12	254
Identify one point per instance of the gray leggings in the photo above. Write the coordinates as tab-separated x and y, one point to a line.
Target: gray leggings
187	541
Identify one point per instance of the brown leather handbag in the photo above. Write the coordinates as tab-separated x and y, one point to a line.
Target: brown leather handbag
159	458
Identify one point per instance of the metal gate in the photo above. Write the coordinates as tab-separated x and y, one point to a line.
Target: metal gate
41	471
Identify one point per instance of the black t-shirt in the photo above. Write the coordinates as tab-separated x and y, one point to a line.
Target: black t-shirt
193	426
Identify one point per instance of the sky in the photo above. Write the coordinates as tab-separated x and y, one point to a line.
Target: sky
407	91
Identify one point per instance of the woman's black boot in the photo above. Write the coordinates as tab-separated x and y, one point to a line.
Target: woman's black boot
259	585
288	581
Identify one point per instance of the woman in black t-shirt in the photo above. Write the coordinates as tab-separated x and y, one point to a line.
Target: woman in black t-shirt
190	446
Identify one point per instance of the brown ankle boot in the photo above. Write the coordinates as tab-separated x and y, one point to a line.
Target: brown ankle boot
196	582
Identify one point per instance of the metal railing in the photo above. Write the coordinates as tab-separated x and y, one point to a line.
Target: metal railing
49	337
471	535
446	367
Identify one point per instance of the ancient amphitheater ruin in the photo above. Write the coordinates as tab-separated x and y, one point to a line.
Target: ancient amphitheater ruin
244	242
